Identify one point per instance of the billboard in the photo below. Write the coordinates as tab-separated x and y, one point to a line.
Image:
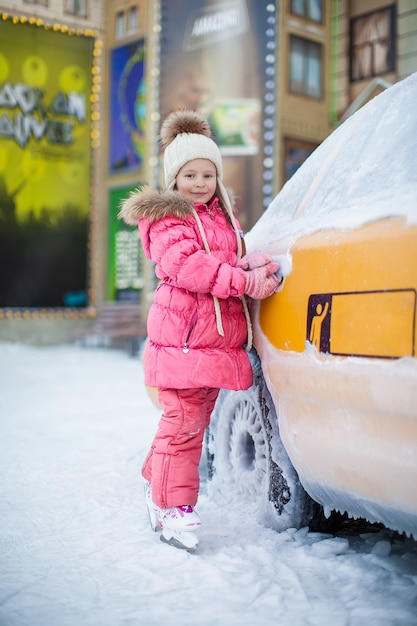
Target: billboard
125	255
45	165
127	107
218	57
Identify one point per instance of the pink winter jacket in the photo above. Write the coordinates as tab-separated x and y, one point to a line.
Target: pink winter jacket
185	349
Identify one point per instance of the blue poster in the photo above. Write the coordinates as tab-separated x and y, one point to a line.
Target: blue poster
127	107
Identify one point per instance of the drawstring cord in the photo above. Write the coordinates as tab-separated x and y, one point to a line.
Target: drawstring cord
219	322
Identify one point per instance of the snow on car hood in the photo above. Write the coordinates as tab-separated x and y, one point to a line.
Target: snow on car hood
364	171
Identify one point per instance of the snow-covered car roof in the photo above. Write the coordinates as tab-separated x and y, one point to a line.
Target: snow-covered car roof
364	171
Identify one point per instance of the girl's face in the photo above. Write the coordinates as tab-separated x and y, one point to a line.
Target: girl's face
197	180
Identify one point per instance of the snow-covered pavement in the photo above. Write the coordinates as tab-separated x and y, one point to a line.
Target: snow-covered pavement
76	548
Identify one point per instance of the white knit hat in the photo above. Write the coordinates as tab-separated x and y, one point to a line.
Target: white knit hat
186	147
187	136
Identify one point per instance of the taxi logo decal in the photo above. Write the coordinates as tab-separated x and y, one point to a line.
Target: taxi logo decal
379	324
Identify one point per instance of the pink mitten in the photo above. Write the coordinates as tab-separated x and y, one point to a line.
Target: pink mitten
251	261
261	282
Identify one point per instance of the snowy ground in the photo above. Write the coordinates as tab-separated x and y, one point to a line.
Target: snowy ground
75	547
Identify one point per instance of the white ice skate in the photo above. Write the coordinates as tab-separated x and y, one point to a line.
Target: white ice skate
153	510
178	525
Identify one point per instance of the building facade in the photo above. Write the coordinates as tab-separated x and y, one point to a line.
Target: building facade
84	85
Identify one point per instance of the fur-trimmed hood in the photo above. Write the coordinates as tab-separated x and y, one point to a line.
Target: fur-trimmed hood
154	205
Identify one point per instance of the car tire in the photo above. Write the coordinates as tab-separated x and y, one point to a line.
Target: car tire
246	457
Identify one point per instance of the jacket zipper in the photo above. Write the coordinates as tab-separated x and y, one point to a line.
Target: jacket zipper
185	347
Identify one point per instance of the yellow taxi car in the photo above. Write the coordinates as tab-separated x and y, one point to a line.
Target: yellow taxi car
330	423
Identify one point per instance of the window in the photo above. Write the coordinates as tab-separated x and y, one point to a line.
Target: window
76	7
372	44
311	9
132	19
296	153
120	24
305	67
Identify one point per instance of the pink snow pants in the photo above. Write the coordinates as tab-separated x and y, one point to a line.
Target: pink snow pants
172	462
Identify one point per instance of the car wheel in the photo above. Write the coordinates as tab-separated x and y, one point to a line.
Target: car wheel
245	457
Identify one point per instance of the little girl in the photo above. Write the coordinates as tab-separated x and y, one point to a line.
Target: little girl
198	322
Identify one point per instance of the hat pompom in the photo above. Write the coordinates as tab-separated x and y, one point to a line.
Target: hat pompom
180	122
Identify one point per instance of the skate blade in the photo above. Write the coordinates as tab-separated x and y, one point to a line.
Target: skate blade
152	513
189	546
153	520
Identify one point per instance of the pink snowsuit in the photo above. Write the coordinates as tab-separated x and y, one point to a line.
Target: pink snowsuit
192	350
